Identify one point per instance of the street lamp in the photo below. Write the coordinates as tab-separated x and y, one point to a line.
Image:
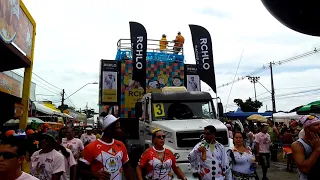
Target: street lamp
80	89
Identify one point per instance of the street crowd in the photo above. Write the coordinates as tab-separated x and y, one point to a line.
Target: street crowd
54	154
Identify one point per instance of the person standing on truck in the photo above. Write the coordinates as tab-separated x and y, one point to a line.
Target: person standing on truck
106	157
158	161
178	43
211	156
163	43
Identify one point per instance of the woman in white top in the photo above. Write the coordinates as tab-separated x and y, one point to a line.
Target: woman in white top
242	159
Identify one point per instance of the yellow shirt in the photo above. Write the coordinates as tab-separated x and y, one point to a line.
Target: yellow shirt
179	41
25	166
163	44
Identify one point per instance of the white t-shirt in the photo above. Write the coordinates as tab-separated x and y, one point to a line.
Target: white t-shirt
301	134
26	176
87	138
44	165
70	161
75	145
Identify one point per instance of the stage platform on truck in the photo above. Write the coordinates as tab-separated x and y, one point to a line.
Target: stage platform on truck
153	51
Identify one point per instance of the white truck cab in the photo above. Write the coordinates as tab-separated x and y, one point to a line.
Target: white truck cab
182	116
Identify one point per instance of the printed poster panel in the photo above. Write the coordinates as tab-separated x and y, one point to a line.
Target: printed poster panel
193	83
15	26
131	91
9	85
109	81
162	74
192	78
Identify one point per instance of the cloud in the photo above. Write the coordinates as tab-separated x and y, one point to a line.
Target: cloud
73	36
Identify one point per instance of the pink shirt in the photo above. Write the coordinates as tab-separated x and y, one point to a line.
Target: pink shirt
263	139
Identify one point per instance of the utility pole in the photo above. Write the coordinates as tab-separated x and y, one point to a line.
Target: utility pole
254	80
273	98
62	101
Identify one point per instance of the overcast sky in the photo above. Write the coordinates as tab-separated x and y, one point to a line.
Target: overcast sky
73	35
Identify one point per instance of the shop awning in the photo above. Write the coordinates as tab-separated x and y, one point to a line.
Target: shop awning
42	108
67	115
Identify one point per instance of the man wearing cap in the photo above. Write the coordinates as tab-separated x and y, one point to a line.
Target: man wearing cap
106	157
163	43
306	150
47	163
178	43
88	137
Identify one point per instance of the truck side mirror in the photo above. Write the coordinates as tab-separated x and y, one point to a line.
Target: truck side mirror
138	110
220	109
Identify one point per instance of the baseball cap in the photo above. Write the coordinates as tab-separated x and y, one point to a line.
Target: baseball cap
20	133
30	131
108	120
308	120
52	134
10	133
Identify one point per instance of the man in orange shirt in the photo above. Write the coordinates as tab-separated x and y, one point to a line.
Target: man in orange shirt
178	43
106	157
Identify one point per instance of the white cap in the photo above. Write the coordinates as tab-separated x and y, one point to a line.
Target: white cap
89	129
108	120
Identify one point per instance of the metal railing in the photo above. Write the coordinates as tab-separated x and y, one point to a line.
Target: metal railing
152	46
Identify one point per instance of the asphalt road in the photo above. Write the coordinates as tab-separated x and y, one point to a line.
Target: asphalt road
275	173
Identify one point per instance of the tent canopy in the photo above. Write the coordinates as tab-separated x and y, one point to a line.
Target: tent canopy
244	115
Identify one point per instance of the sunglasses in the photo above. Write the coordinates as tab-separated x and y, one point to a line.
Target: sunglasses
161	137
8	155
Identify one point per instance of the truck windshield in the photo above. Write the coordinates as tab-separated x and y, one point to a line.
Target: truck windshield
182	110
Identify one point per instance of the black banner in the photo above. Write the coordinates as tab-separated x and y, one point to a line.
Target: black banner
191	79
108	82
139	52
202	45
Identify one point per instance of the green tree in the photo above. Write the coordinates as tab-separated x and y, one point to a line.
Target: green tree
248	105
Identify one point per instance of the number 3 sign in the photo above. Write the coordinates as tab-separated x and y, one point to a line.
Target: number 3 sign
158	109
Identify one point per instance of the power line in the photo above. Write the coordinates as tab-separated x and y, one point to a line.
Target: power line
46	81
277	63
34	79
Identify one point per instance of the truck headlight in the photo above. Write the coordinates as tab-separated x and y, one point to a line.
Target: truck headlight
176	155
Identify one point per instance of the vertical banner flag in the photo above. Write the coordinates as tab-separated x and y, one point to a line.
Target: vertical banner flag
109	81
139	52
192	79
203	54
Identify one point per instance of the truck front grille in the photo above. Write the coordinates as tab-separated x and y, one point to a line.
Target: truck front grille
191	138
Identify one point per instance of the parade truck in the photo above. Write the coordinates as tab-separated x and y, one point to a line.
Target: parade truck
170	99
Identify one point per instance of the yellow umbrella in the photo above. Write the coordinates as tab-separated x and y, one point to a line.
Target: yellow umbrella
258	118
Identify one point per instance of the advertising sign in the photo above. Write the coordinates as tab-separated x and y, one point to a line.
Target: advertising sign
162	74
109	81
131	90
9	85
15	27
202	46
192	82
